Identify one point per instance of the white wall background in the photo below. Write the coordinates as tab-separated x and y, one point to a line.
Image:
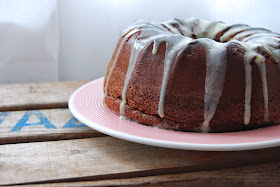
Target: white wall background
90	29
28	41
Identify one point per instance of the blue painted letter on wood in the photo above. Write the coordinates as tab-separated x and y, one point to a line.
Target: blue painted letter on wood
73	123
23	121
3	115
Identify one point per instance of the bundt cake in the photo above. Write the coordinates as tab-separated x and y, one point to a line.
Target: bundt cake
195	75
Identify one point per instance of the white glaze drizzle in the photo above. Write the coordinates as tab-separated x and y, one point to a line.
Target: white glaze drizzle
254	52
133	57
174	44
260	36
216	57
115	60
262	69
212	29
231	31
216	64
245	33
146	36
248	86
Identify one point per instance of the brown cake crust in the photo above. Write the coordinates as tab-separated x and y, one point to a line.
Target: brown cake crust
184	100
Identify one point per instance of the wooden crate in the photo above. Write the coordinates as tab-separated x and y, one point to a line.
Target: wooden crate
41	143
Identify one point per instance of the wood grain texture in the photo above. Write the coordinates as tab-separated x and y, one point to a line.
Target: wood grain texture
257	175
110	158
37	95
41	125
77	159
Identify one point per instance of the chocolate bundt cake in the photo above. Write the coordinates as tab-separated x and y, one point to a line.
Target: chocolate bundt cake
195	75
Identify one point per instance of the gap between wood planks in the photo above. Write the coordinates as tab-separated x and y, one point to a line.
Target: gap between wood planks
31	96
134	161
18	99
42	125
34	107
140	161
251	175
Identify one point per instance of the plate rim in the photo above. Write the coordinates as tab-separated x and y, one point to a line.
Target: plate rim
163	143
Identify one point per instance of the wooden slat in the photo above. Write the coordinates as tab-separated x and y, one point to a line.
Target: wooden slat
36	95
41	125
263	174
111	158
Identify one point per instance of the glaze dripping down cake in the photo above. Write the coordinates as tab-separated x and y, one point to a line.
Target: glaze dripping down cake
195	75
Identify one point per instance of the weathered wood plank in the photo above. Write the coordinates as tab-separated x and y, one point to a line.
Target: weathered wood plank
262	174
110	158
41	125
37	95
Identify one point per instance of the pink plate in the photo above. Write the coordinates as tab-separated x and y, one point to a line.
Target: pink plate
87	105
